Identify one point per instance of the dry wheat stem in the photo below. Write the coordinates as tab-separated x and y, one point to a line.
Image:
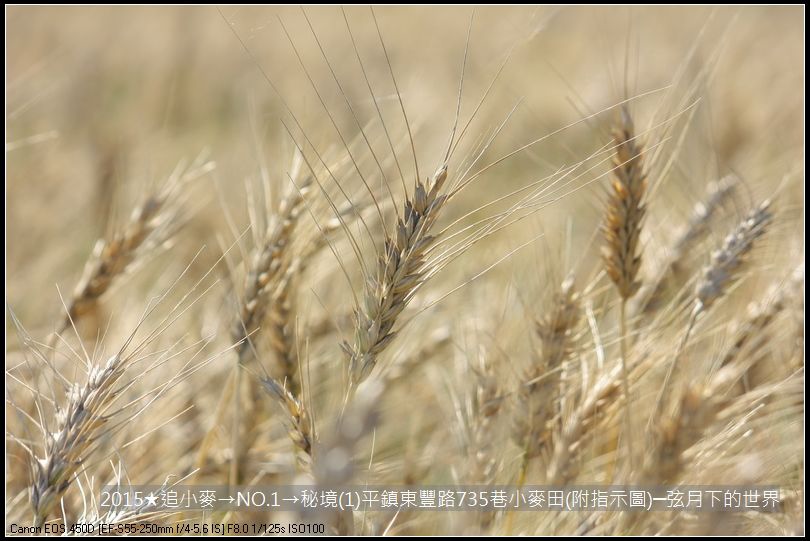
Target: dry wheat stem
626	380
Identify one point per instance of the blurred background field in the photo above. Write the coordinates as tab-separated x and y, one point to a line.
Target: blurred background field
106	99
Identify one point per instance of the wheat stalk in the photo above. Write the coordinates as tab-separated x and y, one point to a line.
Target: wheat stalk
622	231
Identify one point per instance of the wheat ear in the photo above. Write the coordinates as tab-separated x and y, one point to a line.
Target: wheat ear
752	333
265	283
539	389
79	426
487	402
726	262
538	392
723	268
401	269
694	411
300	427
622	232
151	223
268	270
561	468
702	215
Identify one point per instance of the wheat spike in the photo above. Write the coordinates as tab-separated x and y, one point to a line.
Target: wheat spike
726	261
673	268
540	385
151	224
562	466
79	426
695	410
622	231
400	273
268	267
625	210
300	427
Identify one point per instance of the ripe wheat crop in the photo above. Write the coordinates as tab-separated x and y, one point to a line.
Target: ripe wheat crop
487	248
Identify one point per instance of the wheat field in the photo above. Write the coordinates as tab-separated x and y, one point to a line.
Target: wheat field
412	246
